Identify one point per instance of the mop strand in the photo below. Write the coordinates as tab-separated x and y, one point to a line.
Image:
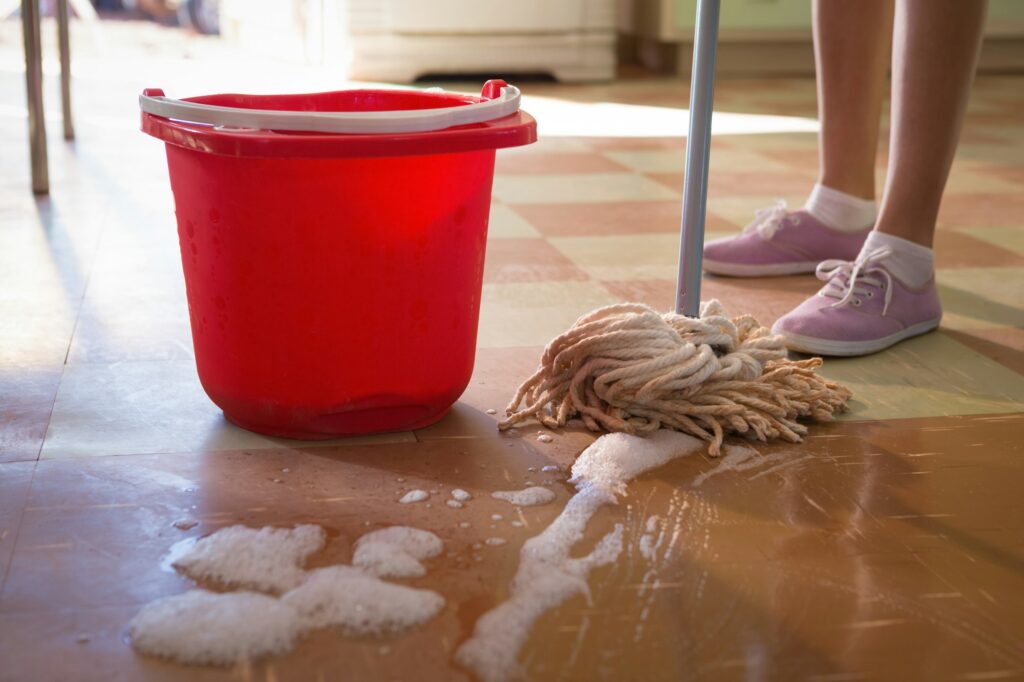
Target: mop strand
631	369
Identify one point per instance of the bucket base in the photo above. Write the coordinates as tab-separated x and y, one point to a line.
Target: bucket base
349	424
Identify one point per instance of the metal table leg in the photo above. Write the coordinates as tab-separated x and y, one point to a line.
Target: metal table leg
34	83
63	39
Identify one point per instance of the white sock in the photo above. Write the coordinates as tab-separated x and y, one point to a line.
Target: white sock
910	263
839	210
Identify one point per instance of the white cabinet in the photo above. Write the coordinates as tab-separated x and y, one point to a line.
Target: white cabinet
401	40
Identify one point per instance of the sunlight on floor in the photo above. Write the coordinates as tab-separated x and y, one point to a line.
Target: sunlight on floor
564	118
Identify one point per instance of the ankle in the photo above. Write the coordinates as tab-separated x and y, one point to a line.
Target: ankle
911	263
839	210
921	235
860	186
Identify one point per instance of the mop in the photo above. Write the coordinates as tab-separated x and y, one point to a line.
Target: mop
631	369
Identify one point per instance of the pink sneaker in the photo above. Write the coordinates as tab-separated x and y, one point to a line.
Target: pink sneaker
780	243
862	309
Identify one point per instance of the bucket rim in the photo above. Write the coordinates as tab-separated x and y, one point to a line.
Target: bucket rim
498	99
491	121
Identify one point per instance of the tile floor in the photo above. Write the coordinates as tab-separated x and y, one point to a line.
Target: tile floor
890	545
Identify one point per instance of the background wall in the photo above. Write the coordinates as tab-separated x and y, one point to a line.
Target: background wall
774	36
795	15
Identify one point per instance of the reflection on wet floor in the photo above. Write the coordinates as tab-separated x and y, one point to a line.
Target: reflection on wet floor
832	557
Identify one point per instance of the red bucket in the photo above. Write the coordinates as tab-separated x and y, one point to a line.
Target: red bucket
334	277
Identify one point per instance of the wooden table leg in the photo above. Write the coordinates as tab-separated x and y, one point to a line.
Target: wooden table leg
64	39
34	83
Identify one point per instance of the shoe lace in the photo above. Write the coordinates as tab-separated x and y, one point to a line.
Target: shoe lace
849	279
768	221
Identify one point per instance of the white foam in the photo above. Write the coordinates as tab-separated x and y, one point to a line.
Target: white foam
527	497
549	468
454	504
617	458
547	576
544	438
203	627
396	552
460	494
360	604
265	559
496	517
414	496
649	542
495	542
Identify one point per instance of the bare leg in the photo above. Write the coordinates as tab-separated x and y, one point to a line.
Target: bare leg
851	54
935	52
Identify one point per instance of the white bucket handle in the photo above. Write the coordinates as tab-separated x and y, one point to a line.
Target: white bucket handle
357	122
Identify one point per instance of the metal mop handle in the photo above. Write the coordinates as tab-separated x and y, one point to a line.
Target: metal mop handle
698	147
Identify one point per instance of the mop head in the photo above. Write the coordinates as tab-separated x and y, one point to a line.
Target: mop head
632	369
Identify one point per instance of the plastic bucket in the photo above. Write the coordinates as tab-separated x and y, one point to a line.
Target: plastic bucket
334	278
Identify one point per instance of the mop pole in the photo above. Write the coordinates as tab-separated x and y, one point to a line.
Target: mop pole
698	148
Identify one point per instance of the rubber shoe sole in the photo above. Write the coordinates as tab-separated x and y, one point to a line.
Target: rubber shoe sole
766	270
814	346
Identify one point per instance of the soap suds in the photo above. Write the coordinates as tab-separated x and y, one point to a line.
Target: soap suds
396	552
525	498
547	575
201	627
454	504
265	559
414	496
549	468
460	494
496	517
464	524
649	542
360	604
495	542
617	458
544	438
204	627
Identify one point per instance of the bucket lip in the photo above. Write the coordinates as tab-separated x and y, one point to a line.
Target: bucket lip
341	112
515	129
437	94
